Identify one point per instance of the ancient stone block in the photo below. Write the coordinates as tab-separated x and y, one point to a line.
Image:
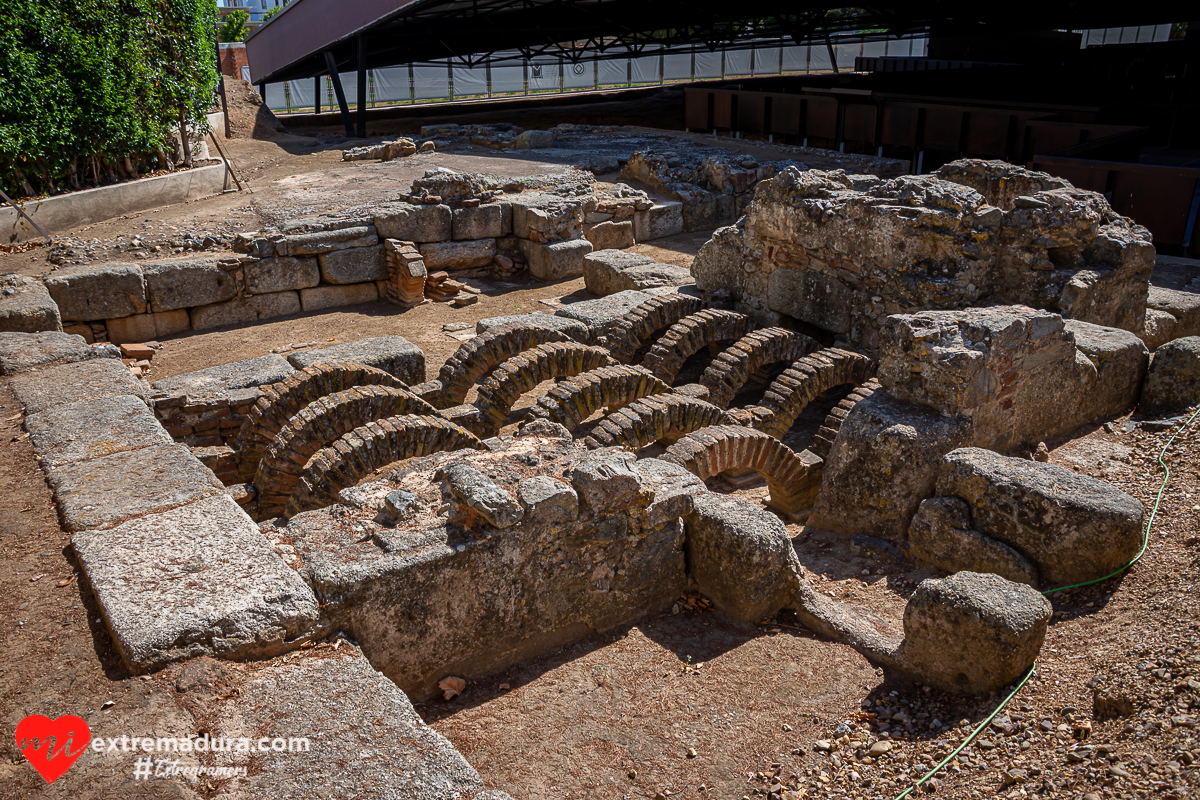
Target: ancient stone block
654	276
357	265
196	580
972	633
533	140
243	310
281	274
98	291
93	379
574	328
815	297
261	371
1183	306
601	315
93	428
187	283
319	298
26	306
884	462
107	490
548	499
411	223
1072	527
941	537
487	221
556	261
167	323
138	328
311	244
602	268
610	235
23	351
1158	328
458	255
479	501
659	221
1173	383
392	354
1120	359
606	481
546	217
741	557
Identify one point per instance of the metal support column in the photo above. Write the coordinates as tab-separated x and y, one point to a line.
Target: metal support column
331	65
317	87
362	87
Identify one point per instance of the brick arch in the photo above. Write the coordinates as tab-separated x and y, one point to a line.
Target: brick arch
479	356
823	441
522	372
799	384
282	401
655	418
318	424
575	399
365	449
686	337
734	365
792	478
637	325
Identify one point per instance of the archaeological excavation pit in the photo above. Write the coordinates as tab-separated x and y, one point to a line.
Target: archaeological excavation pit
854	382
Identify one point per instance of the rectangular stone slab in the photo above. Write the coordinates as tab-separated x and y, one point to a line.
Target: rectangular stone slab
195	580
23	351
40	389
599	315
183	284
94	428
98	291
29	308
105	491
259	371
392	354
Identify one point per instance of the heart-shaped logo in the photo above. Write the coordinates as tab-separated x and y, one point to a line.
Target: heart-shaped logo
52	745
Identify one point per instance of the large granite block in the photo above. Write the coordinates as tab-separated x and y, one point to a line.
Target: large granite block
600	315
358	265
311	244
571	327
195	580
411	223
26	306
260	371
488	221
40	389
320	298
183	284
392	354
602	270
243	310
458	255
98	291
556	261
94	428
23	351
281	274
108	490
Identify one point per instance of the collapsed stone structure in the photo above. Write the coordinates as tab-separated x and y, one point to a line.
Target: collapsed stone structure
845	252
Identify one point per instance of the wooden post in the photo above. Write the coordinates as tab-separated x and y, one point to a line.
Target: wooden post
224	102
362	87
317	87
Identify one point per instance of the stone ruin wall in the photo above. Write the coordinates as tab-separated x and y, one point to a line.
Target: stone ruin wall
843	253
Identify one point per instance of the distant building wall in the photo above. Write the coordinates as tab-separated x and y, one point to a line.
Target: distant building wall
233	60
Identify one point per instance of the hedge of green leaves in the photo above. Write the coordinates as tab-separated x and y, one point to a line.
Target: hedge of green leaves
90	89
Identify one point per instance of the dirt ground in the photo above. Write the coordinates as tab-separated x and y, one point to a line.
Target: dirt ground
617	715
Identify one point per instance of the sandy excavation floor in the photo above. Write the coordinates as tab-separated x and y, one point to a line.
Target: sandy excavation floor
617	715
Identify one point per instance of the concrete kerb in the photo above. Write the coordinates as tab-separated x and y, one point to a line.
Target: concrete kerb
69	211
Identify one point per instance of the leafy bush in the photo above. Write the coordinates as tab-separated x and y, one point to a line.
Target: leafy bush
233	29
93	88
272	12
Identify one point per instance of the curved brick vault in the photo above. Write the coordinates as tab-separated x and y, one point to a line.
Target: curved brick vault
575	399
317	425
480	355
792	478
734	365
799	384
282	401
522	372
368	448
636	326
823	441
686	337
660	417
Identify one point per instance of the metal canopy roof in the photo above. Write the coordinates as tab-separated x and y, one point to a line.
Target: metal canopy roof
292	44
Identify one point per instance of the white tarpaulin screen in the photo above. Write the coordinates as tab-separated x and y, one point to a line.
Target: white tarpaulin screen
795	59
391	85
275	99
543	76
645	68
470	81
301	93
708	64
579	75
737	62
920	46
510	78
818	58
846	53
431	81
898	47
614	72
766	61
677	67
874	49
